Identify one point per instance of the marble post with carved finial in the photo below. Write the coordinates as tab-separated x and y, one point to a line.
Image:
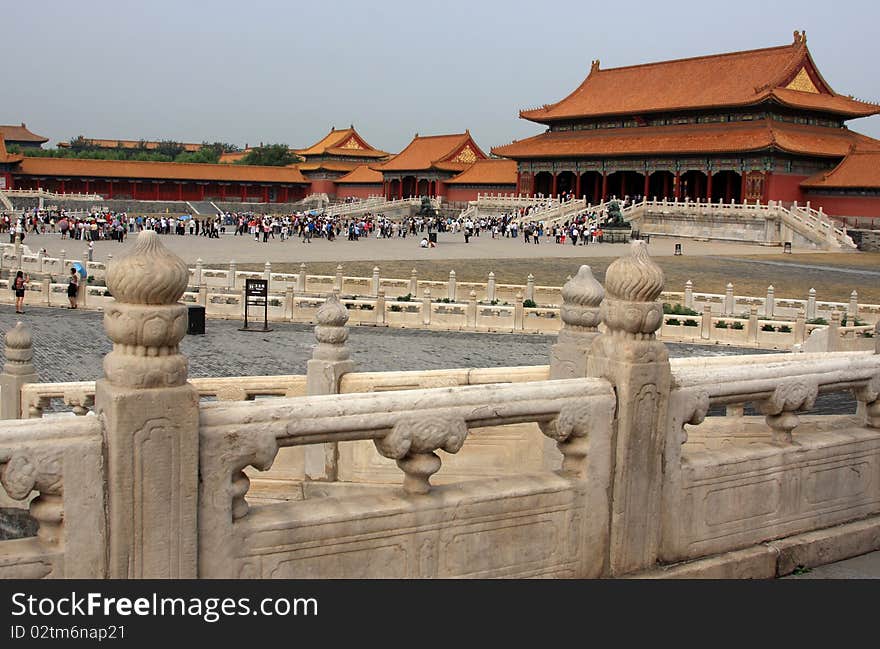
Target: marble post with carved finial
579	312
17	371
628	354
330	361
151	417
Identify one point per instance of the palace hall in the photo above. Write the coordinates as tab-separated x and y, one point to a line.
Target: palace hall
754	125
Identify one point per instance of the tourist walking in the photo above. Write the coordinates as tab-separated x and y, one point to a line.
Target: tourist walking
72	287
19	285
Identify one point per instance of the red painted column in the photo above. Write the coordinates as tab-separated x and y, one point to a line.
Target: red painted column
180	191
88	183
604	185
665	186
400	189
596	187
577	186
676	189
647	185
243	192
156	182
109	189
222	192
709	186
63	186
742	187
729	188
202	192
518	181
553	190
265	194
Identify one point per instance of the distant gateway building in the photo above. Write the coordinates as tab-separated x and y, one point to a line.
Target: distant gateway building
754	125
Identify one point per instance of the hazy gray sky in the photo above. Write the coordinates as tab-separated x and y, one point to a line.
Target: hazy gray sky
246	72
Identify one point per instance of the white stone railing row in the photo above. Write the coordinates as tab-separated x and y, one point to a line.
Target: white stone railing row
348	209
42	193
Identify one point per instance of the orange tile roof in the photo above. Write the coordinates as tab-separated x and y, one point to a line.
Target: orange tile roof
859	169
733	79
327	165
487	172
334	143
363	175
158	170
5	156
685	139
131	144
446	152
230	157
21	133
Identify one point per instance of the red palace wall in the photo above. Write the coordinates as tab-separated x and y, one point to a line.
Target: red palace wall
455	194
849	206
323	187
358	190
6	181
784	187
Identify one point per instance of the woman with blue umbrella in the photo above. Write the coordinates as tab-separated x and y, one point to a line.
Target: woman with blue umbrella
76	270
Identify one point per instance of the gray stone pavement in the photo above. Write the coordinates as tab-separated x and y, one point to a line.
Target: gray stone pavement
70	345
866	566
449	246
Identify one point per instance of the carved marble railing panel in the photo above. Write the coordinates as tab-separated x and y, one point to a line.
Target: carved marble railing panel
233	437
64	465
488	452
740	479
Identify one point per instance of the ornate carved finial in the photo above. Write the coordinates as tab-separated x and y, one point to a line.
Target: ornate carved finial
331	331
145	321
19	352
19	337
633	284
581	297
151	274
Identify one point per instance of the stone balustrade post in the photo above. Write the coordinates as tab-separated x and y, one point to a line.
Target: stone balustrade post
811	305
689	294
380	307
267	274
337	282
414	283
706	324
471	312
301	279
197	274
82	294
490	288
374	282
426	307
203	293
330	361
530	287
752	326
800	327
17	371
852	310
16	251
579	312
62	254
630	357
230	276
47	291
288	303
451	286
834	332
151	418
770	302
729	300
518	312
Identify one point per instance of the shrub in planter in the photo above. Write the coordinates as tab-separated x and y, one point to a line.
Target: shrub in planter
737	325
678	309
274	302
396	308
721	324
767	327
673	322
785	329
405	298
691	323
530	304
366	307
818	321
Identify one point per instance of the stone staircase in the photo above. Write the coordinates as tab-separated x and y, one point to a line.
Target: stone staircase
767	224
204	208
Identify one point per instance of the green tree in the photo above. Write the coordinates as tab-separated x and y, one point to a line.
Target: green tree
269	155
